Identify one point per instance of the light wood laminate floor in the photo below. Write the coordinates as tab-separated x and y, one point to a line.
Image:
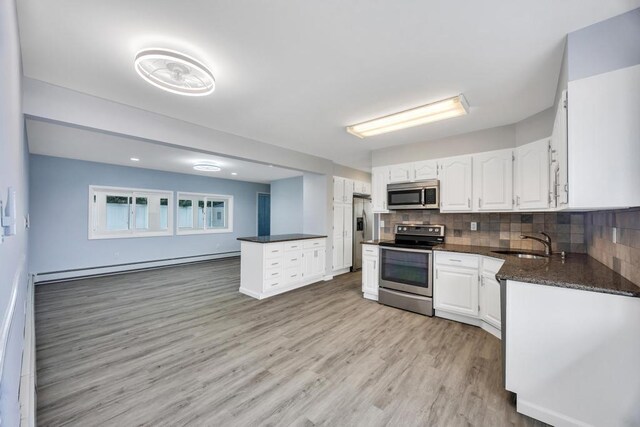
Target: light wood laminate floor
181	346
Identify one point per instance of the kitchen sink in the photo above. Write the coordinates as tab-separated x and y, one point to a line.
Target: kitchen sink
520	254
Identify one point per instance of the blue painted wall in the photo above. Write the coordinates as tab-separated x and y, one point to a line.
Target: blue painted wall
287	205
13	250
606	46
59	215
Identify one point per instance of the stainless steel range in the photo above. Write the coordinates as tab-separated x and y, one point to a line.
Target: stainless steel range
406	267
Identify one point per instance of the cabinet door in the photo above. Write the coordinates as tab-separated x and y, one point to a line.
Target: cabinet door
338	235
455	184
456	290
400	173
319	261
338	253
348	236
370	275
558	171
307	263
427	169
490	300
348	191
338	189
379	178
366	188
493	180
532	175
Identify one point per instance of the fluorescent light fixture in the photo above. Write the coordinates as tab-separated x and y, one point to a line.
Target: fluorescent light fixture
234	173
174	72
440	110
206	167
134	159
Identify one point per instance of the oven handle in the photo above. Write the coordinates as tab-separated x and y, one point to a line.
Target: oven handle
423	251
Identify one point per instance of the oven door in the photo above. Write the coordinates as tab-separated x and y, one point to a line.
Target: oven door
407	270
412	198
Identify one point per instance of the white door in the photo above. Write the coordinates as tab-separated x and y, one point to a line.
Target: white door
532	175
379	178
558	172
427	169
348	236
493	180
490	300
400	173
348	191
370	275
455	184
456	290
338	236
338	189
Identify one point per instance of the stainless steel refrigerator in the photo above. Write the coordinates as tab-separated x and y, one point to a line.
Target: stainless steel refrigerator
362	228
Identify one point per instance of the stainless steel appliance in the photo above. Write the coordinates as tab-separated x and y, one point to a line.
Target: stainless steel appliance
362	228
414	195
406	267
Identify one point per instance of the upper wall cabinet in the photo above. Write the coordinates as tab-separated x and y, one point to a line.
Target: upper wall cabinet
426	169
379	180
604	140
558	170
493	180
361	187
532	176
455	184
342	190
400	173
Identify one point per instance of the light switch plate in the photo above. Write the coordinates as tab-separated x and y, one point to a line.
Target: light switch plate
381	223
474	226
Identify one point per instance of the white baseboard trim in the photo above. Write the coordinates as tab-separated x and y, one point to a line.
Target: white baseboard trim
328	277
279	291
28	375
372	297
547	415
5	327
57	276
341	271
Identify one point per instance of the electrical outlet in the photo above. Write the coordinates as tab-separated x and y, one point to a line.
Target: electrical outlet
474	226
381	223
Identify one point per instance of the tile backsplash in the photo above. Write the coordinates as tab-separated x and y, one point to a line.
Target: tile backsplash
623	255
567	230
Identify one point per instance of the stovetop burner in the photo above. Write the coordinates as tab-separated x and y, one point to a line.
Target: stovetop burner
416	236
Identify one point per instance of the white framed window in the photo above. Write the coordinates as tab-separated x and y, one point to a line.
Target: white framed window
116	212
204	213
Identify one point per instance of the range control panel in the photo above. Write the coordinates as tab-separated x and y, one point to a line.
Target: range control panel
420	229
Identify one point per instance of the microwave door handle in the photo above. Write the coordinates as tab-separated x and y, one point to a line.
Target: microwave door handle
423	196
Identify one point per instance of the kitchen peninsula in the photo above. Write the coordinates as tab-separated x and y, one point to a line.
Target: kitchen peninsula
271	265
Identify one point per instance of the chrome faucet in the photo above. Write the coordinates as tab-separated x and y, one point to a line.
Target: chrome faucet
546	241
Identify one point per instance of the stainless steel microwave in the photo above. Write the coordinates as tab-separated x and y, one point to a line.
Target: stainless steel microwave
414	195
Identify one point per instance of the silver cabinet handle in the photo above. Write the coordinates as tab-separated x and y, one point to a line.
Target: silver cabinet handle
455	260
274	263
479	202
517	200
469	202
274	274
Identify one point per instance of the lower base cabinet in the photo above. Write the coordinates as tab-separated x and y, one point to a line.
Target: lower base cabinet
466	290
370	271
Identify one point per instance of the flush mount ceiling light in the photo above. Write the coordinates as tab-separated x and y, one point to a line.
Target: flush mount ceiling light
440	110
134	159
174	72
206	167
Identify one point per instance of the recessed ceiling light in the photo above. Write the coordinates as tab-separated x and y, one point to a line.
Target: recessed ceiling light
134	159
206	167
440	110
234	173
270	166
174	72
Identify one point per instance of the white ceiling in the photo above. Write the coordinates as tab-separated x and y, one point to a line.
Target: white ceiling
295	73
57	140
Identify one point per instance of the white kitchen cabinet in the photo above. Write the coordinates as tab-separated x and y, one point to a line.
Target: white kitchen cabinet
342	236
558	170
532	175
493	180
400	173
370	266
361	187
268	269
490	309
426	169
604	140
456	184
379	181
342	190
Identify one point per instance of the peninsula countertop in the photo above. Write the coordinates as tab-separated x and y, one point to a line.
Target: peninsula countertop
280	238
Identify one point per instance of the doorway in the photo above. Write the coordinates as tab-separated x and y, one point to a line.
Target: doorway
264	214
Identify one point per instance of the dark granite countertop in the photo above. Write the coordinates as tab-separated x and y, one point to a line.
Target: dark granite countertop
576	271
280	238
372	242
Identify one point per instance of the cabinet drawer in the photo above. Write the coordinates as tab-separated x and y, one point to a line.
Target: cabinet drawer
292	259
459	260
491	265
313	243
370	250
293	246
273	273
273	283
292	275
273	250
273	263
